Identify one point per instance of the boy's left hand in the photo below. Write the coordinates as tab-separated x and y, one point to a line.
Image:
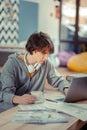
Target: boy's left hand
65	90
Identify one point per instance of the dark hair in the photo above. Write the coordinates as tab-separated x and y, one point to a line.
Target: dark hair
41	42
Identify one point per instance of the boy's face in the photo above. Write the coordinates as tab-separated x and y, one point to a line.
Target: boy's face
40	57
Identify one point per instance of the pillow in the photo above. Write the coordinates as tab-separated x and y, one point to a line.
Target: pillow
78	63
64	57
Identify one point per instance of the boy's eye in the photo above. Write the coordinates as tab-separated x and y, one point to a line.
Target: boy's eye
45	52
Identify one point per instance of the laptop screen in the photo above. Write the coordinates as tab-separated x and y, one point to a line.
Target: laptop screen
77	90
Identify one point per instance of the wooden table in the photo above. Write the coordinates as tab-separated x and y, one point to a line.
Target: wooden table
7	124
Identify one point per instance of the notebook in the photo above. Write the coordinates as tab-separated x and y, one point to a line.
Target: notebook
77	90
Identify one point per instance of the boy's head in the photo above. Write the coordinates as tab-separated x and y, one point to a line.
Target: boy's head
40	42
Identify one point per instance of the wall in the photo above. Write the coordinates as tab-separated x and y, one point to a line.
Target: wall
9	21
28	19
46	22
46	18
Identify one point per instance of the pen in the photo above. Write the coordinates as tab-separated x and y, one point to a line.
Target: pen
52	100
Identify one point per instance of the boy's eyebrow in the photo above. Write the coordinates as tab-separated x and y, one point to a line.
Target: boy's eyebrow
45	52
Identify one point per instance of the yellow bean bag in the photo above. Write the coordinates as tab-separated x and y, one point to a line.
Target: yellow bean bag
78	63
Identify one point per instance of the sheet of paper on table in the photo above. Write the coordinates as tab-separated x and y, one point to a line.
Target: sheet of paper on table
77	110
39	117
41	113
47	105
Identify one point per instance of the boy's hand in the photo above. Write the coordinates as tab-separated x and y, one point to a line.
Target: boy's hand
65	90
24	99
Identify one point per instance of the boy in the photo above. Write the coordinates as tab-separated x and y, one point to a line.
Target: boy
24	73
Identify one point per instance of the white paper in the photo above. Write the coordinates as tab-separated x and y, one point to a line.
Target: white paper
54	96
78	111
84	106
42	106
39	117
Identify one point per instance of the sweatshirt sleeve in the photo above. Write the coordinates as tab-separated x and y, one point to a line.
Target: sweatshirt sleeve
55	79
8	81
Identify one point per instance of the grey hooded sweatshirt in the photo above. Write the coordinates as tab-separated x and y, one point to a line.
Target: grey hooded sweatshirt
15	80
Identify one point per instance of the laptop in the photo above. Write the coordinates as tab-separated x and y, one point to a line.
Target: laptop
77	90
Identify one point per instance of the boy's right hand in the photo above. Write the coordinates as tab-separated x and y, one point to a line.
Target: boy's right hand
24	99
